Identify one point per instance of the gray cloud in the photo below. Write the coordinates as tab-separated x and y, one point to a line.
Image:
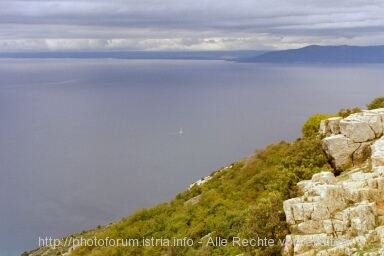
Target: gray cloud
186	24
191	41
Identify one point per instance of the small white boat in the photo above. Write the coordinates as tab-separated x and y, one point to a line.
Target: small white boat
181	130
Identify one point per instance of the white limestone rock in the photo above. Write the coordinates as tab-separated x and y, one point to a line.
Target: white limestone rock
288	245
324	129
301	186
300	244
328	226
373	119
344	210
364	194
375	122
287	206
378	169
378	111
324	177
339	149
334	124
336	251
311	227
363	126
362	177
363	217
340	225
356	130
361	153
330	126
380	183
303	211
332	199
377	157
380	232
359	130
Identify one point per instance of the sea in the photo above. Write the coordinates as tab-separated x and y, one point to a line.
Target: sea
86	142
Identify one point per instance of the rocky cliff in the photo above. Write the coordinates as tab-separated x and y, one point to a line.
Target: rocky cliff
348	141
343	215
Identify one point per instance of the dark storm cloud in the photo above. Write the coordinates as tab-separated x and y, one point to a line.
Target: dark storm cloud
183	24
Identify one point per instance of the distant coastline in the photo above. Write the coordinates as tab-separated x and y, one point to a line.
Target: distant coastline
166	55
308	54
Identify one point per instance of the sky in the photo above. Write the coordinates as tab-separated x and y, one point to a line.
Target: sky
119	25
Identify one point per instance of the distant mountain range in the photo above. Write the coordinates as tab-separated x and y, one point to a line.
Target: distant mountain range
323	54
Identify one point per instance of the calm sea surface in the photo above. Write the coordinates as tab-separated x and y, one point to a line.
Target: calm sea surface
86	142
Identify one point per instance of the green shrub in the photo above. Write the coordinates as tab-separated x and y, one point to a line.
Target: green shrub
305	157
312	125
265	220
346	112
376	103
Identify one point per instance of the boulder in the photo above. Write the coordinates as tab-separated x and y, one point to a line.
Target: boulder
362	217
375	122
378	111
339	150
360	130
356	130
363	126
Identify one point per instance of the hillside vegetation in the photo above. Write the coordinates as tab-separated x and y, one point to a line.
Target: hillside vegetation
241	201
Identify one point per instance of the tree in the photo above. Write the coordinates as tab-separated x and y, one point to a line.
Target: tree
265	221
376	103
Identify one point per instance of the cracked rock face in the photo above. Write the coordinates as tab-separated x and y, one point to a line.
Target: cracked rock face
339	150
356	130
348	140
343	215
331	216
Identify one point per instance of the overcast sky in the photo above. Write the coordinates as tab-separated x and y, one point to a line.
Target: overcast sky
38	25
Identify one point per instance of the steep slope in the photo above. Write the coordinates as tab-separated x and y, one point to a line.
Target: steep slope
245	208
228	213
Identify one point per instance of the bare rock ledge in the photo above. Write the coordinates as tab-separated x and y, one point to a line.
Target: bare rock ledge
343	215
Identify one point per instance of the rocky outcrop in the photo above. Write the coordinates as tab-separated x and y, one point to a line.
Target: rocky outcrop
348	141
377	153
343	215
205	179
339	150
330	126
